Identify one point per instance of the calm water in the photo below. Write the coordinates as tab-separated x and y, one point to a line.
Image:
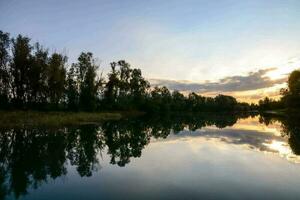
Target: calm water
207	157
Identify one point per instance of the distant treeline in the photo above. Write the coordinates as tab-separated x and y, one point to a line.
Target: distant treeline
33	78
290	97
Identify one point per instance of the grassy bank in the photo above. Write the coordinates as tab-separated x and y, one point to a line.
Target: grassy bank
281	112
32	118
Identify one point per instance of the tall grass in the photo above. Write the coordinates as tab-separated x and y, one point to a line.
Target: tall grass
32	118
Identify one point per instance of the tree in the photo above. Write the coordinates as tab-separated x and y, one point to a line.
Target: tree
30	77
124	76
291	95
123	96
20	69
160	99
38	76
88	84
178	101
72	93
294	83
111	88
138	86
56	78
226	103
126	88
270	104
196	102
4	70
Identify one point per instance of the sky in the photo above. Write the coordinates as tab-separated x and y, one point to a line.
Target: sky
240	48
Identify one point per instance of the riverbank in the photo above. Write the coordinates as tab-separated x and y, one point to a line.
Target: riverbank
282	113
34	118
275	112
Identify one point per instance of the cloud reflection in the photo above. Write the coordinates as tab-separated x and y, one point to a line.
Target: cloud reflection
259	140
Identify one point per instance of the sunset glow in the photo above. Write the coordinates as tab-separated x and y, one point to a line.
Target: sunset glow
149	99
194	42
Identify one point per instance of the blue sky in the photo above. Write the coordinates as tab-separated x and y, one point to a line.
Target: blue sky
192	40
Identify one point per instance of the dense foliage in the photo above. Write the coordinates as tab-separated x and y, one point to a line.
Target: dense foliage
290	96
32	78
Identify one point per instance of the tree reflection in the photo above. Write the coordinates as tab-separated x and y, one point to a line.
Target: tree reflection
290	128
83	145
125	139
31	157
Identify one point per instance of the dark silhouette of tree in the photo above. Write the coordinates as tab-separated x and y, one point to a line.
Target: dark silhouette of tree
4	69
226	103
126	88
56	78
38	76
123	84
294	82
196	102
291	96
178	101
20	69
138	87
31	78
111	87
72	91
88	85
160	100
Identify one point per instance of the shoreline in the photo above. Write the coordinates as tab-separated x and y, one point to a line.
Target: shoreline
18	118
37	118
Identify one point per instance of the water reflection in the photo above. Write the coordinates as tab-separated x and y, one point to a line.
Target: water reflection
290	129
31	157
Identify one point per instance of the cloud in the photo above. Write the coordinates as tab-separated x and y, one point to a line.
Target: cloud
253	81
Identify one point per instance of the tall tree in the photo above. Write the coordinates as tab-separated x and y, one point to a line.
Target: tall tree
38	75
294	82
20	69
138	85
87	75
226	103
291	96
125	74
111	88
56	78
72	92
126	88
178	101
4	70
160	99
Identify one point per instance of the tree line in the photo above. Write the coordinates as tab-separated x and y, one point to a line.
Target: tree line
290	96
33	78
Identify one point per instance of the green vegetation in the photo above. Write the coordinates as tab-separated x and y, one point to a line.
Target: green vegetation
23	118
33	79
290	100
